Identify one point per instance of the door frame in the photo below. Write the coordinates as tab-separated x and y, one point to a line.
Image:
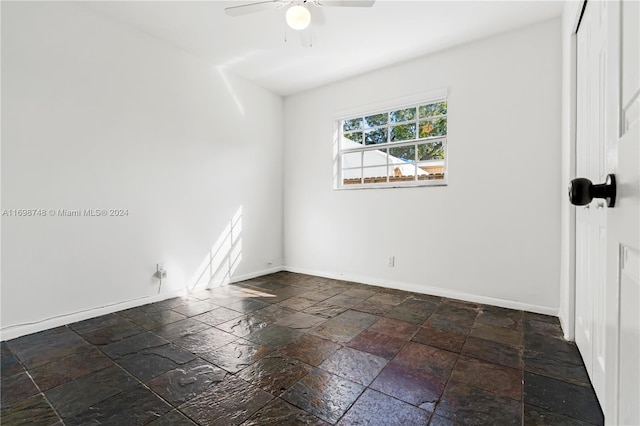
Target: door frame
571	20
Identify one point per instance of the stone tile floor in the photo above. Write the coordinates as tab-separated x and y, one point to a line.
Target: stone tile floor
289	349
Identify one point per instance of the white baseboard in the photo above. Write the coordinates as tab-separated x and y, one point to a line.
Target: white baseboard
13	331
433	291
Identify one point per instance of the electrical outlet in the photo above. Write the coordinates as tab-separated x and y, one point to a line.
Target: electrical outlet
391	261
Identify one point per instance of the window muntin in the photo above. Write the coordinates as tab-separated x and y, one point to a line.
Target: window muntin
405	146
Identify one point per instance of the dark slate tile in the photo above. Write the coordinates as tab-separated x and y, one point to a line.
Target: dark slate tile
218	316
278	412
360	292
569	369
360	319
236	355
323	394
356	366
178	329
274	336
230	402
394	327
310	349
578	401
433	361
456	309
133	345
272	286
155	361
320	295
325	310
454	324
494	378
536	416
246	306
506	336
552	348
411	385
106	329
466	405
173	418
205	341
298	303
441	421
141	311
137	406
440	338
544	328
16	388
245	325
425	304
195	308
388	298
76	396
301	321
158	319
273	313
9	364
32	411
500	317
344	301
274	373
409	315
69	368
380	344
174	302
187	381
374	308
541	317
375	405
41	348
336	331
495	352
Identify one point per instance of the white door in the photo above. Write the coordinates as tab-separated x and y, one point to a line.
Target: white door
591	220
607	240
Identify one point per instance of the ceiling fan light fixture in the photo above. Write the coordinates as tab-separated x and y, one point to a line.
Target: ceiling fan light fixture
298	17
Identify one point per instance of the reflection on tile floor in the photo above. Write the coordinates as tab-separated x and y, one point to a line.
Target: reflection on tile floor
289	349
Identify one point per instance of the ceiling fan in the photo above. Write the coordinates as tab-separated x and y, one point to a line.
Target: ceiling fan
298	16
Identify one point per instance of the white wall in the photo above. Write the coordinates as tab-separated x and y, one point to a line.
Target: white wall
97	115
492	234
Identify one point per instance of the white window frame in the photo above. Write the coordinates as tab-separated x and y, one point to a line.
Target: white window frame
386	108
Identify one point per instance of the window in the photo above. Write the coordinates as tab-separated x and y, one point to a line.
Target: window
404	146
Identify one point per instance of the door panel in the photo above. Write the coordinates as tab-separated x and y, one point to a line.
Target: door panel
591	220
608	240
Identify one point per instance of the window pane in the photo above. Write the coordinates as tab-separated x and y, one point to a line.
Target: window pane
406	153
376	157
356	137
352	176
403	132
375	136
352	159
432	110
403	115
402	172
435	127
430	151
376	120
354	124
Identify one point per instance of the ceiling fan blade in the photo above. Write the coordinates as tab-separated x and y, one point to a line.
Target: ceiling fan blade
345	3
245	9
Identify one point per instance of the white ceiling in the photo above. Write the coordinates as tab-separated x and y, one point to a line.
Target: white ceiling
346	41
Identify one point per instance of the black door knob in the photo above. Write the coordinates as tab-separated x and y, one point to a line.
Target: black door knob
582	191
